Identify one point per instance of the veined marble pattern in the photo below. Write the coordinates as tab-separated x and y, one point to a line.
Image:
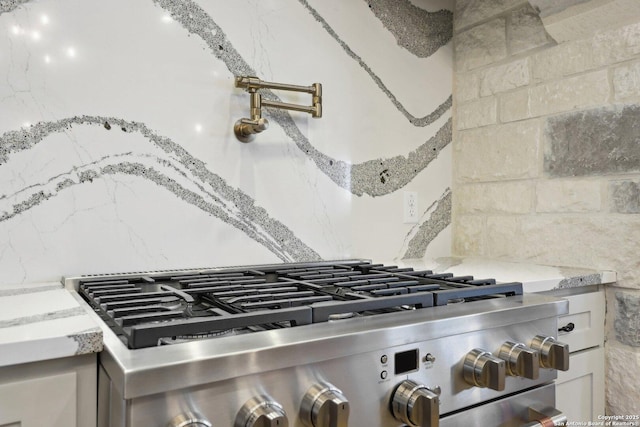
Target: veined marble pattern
41	317
436	28
431	47
43	321
117	151
437	218
36	287
210	194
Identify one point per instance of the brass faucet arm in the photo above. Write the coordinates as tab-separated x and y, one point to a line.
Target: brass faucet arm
284	86
245	129
250	82
286	106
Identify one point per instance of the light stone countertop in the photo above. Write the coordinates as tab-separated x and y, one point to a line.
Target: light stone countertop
534	277
43	321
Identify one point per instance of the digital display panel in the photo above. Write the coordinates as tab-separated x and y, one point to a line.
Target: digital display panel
406	361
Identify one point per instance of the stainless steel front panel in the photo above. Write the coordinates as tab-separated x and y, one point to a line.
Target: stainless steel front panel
215	377
361	377
148	371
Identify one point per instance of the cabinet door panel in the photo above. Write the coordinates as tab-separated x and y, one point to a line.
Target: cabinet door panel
46	401
586	312
580	390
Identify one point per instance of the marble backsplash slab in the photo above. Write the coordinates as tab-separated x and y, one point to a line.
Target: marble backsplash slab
117	151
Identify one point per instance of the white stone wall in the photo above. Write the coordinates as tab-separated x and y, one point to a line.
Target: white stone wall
510	200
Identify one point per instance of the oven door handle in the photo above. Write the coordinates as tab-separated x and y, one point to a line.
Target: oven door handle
545	416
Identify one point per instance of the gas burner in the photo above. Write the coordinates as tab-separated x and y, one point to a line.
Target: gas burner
146	308
341	316
189	338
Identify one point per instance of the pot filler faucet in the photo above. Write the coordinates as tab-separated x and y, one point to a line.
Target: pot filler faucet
245	129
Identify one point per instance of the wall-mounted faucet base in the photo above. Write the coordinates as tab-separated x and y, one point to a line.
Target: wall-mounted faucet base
245	129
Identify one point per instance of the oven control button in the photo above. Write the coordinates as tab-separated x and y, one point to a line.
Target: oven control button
324	406
553	354
482	369
189	420
522	361
415	405
261	411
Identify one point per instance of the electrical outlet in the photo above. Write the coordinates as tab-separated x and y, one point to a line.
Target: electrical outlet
410	207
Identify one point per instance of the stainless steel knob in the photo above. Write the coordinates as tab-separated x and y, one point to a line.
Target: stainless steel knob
522	361
261	411
189	420
553	354
415	405
482	369
324	406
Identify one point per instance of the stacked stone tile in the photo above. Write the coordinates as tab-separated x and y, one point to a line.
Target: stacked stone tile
547	156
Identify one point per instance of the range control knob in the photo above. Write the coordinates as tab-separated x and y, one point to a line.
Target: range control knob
545	416
482	369
553	354
261	411
522	361
324	406
189	420
415	405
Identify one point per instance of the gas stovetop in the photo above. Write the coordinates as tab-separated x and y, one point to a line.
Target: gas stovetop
149	309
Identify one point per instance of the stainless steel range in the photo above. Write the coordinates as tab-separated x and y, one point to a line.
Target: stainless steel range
328	344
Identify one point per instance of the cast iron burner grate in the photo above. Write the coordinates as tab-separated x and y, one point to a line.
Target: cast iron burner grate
150	309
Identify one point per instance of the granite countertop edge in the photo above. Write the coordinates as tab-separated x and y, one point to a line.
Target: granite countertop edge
534	277
44	321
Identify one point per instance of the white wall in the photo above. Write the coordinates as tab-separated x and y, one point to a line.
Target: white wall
117	151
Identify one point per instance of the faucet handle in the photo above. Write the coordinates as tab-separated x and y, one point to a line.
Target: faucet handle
317	100
245	129
317	90
247	82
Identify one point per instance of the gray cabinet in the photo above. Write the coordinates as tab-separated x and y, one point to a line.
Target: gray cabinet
53	393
